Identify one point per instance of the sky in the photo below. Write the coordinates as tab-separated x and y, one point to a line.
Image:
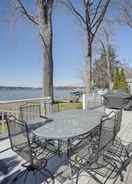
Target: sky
21	54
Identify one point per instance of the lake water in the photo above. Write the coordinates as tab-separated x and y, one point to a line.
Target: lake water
14	94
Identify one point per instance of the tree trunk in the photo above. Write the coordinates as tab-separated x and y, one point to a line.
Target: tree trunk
88	70
108	70
46	35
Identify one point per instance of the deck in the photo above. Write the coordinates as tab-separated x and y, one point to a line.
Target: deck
11	163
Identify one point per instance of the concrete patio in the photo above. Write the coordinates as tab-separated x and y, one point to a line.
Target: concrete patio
11	163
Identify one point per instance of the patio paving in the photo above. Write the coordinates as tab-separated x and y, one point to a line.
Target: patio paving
11	163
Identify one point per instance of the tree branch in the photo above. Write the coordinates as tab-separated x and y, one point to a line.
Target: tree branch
70	6
127	17
25	12
100	18
96	11
88	20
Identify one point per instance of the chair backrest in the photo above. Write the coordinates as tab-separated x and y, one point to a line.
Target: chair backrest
107	134
102	138
92	146
29	112
86	146
118	121
19	138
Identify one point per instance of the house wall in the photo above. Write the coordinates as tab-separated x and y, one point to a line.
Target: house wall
130	87
129	81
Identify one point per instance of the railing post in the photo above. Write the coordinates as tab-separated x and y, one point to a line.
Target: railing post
43	108
84	101
2	116
2	121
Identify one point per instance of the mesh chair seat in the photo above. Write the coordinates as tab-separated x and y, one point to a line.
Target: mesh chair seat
99	169
117	152
104	173
36	123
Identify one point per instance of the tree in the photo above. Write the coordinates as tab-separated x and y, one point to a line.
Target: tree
116	79
125	12
100	71
120	80
43	21
108	55
90	16
123	82
127	70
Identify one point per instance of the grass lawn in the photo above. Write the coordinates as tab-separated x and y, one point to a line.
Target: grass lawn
65	106
3	128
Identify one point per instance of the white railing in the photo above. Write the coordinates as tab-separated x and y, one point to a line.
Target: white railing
92	101
12	106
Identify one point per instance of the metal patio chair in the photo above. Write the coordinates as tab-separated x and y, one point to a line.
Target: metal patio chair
31	113
92	159
118	120
35	114
34	154
118	151
117	145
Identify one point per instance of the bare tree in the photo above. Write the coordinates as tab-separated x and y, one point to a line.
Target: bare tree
103	76
125	17
127	70
125	12
106	45
90	16
43	20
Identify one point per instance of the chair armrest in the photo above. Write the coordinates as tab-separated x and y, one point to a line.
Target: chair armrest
107	116
44	117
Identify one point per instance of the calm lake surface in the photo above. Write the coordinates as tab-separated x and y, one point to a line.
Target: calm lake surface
14	94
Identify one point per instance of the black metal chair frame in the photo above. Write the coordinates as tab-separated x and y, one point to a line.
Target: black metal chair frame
33	154
29	108
84	164
118	152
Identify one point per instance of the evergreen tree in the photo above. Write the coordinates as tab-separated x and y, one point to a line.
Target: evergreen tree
116	79
120	82
123	83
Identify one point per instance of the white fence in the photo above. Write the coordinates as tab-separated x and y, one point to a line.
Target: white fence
12	106
92	101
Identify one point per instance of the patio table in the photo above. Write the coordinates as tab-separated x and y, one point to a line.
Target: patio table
69	124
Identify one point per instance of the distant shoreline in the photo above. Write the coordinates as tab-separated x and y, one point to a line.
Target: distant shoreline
29	88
